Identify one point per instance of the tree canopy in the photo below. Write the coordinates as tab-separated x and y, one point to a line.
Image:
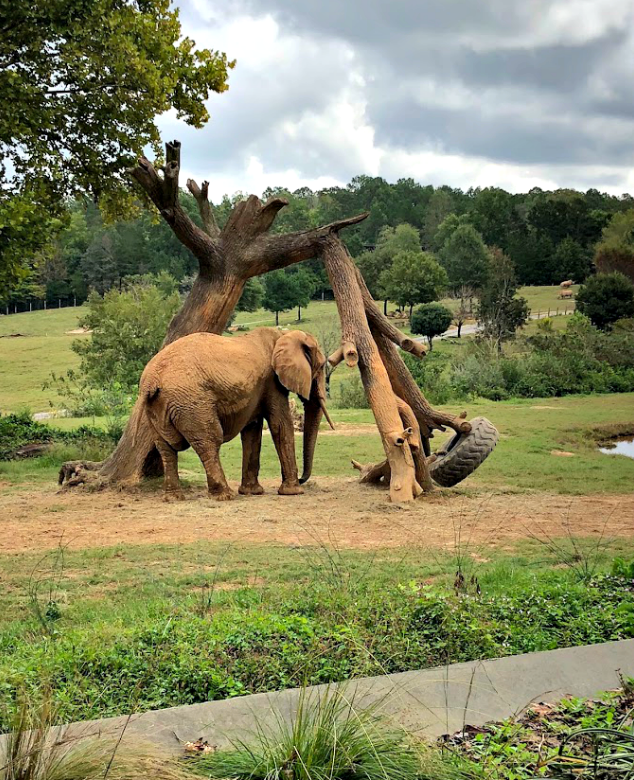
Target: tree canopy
606	298
431	320
82	82
415	277
501	311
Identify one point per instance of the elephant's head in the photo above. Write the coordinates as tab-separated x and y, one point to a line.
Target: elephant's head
299	365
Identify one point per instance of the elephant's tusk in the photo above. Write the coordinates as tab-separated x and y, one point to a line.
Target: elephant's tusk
322	403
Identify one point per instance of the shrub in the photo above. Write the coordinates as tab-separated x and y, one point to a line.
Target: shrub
431	320
606	298
128	328
327	739
310	633
17	430
349	393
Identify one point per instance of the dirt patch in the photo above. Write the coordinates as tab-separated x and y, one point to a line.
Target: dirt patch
333	510
547	407
563	454
78	332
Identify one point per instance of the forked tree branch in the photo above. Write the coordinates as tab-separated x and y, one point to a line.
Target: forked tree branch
201	196
271	252
163	192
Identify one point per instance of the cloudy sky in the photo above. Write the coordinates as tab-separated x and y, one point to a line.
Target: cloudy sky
508	93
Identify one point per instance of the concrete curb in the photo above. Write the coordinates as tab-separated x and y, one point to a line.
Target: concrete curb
427	703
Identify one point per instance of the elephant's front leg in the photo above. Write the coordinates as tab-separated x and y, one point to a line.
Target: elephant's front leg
281	426
251	446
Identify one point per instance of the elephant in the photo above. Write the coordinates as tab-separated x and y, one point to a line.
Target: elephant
203	390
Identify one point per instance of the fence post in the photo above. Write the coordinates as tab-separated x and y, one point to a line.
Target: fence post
44	304
557	314
75	301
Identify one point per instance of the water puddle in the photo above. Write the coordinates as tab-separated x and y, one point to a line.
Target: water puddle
619	447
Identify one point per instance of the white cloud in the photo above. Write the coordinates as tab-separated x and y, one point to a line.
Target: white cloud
463	92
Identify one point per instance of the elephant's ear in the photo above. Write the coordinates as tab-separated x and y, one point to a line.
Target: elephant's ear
291	362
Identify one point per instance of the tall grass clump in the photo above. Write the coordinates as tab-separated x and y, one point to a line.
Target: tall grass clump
34	749
327	739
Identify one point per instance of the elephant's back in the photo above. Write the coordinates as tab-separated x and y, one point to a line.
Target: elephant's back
191	359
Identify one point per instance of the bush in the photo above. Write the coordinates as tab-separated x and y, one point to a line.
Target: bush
431	320
606	298
328	739
128	328
582	359
17	430
349	393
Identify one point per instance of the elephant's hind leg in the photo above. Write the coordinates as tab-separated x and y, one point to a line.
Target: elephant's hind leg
172	482
251	446
206	438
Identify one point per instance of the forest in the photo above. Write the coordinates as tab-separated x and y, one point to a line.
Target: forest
549	236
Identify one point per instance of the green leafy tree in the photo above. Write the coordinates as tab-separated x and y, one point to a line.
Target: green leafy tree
431	320
501	311
415	277
606	298
375	264
81	85
305	285
128	328
615	251
252	296
466	260
281	292
440	205
572	261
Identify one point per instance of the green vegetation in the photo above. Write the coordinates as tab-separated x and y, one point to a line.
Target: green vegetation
606	298
551	362
182	624
127	329
431	320
92	78
328	739
574	738
500	310
34	750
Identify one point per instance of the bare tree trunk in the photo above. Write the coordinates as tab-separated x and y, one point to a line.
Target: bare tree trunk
227	259
357	341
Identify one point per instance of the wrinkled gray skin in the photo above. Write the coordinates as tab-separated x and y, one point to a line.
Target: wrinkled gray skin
203	390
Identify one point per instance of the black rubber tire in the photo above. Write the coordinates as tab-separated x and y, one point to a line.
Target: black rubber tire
462	454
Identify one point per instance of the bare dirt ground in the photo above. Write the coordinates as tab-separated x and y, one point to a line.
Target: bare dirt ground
332	511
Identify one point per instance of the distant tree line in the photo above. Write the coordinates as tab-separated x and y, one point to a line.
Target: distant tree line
547	236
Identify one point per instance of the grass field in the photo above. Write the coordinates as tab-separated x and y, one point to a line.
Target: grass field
44	346
533	434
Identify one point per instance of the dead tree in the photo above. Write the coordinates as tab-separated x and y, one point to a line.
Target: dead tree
243	249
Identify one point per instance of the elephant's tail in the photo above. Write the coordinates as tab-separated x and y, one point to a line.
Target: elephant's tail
147	394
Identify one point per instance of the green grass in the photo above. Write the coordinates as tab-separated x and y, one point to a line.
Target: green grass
143	627
530	430
26	362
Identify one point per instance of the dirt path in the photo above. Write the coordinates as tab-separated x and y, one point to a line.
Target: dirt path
336	509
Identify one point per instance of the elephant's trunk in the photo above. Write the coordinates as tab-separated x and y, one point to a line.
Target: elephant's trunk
314	409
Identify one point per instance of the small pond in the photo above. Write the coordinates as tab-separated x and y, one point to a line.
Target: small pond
623	446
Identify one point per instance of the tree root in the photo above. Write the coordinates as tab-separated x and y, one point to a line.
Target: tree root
81	472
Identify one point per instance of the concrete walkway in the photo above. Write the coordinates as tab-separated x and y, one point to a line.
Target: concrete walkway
427	703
